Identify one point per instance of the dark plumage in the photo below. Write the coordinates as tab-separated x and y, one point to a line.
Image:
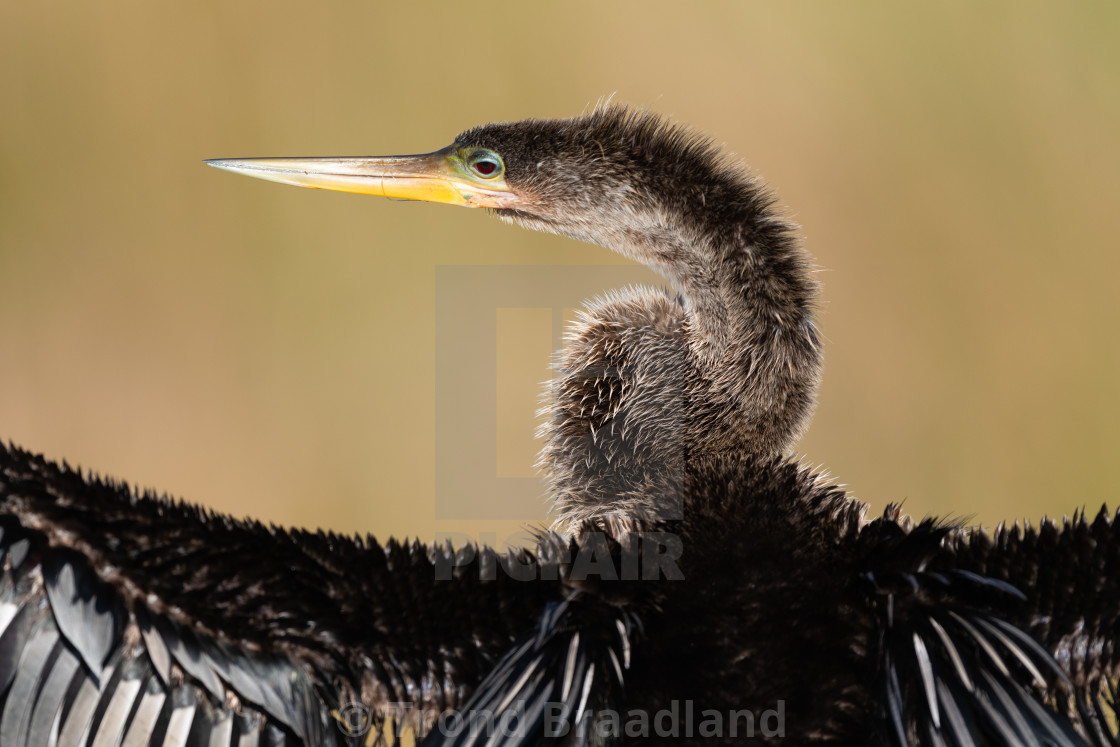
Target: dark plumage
708	586
330	619
783	598
646	381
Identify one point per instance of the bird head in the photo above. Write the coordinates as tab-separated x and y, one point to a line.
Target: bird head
615	176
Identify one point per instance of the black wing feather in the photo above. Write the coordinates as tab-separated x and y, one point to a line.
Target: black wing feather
34	664
13	640
549	687
52	695
954	670
144	597
87	611
68	676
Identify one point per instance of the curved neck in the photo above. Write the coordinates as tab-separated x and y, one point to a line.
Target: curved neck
749	299
759	298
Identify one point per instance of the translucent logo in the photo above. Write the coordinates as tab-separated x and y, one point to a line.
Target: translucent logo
353	719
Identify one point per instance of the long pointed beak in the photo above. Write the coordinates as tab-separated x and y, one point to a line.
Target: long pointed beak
432	177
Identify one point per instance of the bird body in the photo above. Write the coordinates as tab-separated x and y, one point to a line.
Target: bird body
701	586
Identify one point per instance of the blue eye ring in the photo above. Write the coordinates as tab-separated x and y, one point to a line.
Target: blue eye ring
485	164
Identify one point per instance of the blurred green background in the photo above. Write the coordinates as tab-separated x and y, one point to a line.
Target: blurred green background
271	351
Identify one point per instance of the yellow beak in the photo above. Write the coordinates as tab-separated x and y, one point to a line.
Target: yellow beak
432	177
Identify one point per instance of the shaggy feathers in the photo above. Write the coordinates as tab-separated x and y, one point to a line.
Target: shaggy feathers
333	604
788	596
129	617
645	383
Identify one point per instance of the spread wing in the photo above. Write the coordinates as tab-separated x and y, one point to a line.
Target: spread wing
78	667
135	620
970	652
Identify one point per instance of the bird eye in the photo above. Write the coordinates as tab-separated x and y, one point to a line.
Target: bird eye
485	163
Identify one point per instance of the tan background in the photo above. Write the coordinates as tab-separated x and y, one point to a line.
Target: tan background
270	351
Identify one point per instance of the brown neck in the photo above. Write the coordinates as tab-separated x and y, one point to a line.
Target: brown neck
749	300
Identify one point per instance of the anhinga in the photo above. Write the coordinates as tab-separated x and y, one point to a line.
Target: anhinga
705	587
